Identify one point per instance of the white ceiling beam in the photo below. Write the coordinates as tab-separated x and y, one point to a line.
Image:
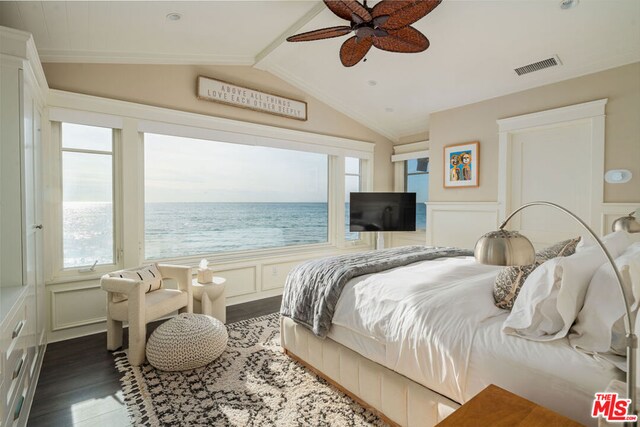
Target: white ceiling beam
304	20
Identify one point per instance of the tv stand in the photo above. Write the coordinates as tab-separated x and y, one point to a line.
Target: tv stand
380	240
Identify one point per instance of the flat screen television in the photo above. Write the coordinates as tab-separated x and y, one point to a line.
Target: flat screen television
382	212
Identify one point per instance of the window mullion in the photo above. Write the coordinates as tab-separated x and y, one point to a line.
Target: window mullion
117	197
407	175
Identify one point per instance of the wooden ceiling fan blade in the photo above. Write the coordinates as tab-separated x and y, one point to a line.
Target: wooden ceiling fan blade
352	51
323	33
404	40
402	12
345	8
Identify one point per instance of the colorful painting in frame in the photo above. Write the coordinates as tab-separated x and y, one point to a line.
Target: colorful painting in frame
461	165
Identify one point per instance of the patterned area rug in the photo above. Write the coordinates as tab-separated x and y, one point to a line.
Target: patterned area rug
252	384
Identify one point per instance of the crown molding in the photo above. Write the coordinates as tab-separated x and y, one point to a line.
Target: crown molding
92	57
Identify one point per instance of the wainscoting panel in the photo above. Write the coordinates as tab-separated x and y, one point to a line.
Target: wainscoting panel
77	304
240	281
79	308
274	275
460	224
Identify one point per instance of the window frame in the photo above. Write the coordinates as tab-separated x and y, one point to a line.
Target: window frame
335	202
59	270
130	121
406	175
359	175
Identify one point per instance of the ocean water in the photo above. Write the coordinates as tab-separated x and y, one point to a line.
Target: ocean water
87	229
188	229
183	229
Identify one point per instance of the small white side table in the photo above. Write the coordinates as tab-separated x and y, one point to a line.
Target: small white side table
210	298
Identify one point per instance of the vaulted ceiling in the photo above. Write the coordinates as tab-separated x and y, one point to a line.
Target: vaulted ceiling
475	45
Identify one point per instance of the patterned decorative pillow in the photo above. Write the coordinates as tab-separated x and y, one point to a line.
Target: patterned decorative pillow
149	275
510	280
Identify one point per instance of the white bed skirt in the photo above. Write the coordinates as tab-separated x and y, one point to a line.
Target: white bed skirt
395	397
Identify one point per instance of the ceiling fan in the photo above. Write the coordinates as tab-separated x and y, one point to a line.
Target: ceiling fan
385	26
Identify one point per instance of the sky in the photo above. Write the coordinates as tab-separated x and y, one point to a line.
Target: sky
191	170
86	177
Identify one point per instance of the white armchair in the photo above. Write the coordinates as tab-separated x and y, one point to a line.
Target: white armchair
141	308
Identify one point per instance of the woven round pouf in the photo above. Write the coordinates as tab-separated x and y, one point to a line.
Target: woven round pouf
187	341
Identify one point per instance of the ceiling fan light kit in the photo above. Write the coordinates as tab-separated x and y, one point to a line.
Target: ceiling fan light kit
385	26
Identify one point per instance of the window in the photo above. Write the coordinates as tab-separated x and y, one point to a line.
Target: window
204	197
352	184
416	180
87	195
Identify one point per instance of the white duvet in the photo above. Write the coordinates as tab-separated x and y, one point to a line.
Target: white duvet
436	323
426	315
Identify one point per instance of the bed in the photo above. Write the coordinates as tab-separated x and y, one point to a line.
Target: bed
414	342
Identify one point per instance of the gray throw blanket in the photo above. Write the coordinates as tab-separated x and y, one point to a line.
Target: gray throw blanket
312	288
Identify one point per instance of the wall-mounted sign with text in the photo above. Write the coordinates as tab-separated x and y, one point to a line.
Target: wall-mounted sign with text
226	93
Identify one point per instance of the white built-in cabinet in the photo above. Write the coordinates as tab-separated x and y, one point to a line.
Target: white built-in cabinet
22	302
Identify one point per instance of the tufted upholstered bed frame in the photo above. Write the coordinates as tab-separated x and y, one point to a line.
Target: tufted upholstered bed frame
398	400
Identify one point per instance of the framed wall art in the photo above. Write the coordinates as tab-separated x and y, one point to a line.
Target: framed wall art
461	165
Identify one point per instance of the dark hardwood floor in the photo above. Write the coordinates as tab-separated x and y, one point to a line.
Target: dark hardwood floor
80	386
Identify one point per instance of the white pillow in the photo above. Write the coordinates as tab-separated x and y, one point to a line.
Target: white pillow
616	242
552	296
149	275
599	327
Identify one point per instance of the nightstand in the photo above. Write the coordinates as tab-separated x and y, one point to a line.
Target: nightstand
210	298
495	406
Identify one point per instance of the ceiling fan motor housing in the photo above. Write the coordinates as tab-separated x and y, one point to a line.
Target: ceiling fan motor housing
385	26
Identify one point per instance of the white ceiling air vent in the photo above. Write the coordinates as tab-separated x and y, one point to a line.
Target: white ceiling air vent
537	66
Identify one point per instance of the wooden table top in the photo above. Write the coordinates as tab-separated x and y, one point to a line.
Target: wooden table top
495	406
